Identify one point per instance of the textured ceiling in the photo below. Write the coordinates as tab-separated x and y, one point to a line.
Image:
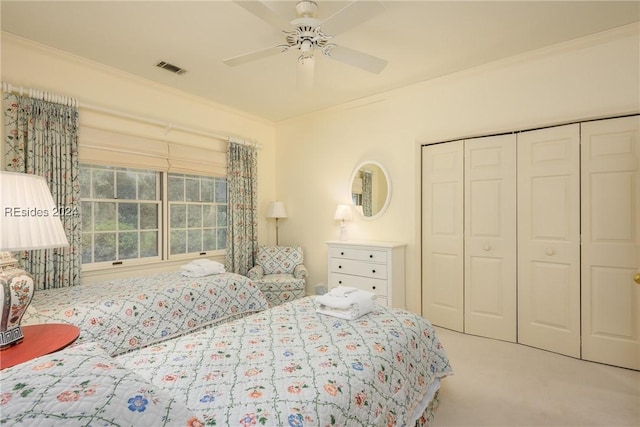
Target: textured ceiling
419	39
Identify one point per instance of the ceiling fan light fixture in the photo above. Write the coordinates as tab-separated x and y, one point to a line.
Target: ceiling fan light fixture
306	8
306	46
306	59
306	65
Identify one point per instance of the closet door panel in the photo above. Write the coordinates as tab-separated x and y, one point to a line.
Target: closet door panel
442	234
611	241
549	239
490	237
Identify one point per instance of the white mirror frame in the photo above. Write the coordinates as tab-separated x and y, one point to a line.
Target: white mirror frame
386	177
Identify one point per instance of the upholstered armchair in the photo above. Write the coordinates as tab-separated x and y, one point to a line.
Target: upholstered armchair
279	273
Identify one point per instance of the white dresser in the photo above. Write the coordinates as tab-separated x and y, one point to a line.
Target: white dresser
376	267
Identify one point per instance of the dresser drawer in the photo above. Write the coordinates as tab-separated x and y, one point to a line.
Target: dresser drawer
376	286
358	268
358	254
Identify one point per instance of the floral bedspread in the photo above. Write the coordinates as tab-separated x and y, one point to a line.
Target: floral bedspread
130	313
290	366
83	386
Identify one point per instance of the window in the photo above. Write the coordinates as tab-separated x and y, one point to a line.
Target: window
197	214
122	214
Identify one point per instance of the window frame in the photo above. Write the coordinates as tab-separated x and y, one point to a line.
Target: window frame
169	203
163	230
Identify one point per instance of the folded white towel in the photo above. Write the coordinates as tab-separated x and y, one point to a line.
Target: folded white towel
346	303
348	314
204	271
343	291
205	261
199	263
202	267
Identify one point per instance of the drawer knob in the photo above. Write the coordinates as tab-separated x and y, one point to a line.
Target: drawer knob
371	256
341	253
373	271
339	266
373	287
340	282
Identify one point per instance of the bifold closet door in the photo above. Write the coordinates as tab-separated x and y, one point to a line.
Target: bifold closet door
490	237
443	234
611	241
549	239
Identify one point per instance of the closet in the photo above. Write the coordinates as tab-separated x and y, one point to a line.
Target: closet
534	237
610	253
549	239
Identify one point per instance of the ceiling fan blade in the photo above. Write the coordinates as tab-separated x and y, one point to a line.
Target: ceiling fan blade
252	56
258	9
306	68
362	60
353	14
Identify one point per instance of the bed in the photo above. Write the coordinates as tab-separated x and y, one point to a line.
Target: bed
131	313
84	386
285	366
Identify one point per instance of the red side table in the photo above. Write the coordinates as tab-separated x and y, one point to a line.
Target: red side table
38	341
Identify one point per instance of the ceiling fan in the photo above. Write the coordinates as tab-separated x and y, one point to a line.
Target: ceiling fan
309	36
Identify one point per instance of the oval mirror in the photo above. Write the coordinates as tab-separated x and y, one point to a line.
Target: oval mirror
370	188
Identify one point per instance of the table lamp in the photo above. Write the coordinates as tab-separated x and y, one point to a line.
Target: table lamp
29	219
343	213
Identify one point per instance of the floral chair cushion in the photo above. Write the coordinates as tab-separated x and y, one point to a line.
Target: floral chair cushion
279	259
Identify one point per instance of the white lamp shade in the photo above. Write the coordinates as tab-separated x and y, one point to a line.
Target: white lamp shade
29	219
343	213
276	210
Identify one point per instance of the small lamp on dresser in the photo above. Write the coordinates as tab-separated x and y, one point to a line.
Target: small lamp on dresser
343	213
28	220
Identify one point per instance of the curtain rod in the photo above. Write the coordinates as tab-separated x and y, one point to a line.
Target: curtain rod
40	94
72	102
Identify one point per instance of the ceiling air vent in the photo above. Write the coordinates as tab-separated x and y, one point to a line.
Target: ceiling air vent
170	67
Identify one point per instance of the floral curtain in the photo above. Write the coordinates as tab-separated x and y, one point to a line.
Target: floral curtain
41	138
242	207
367	193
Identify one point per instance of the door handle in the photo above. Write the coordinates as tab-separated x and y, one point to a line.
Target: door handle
636	278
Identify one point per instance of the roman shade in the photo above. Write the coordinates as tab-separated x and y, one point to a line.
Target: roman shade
105	147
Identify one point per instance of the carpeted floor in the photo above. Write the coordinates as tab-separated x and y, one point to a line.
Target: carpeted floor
496	383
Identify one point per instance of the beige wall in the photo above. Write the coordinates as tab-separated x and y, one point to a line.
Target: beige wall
32	65
316	154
